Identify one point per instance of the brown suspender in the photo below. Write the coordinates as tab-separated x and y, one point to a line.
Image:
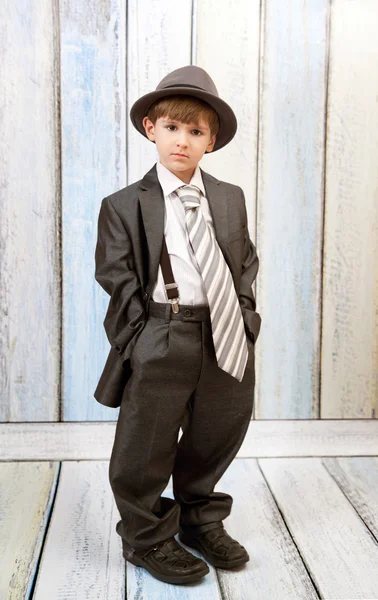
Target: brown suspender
170	284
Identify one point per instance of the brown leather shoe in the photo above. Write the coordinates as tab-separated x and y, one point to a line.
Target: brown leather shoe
168	561
217	547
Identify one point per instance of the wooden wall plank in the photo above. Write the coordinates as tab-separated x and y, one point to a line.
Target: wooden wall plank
275	75
82	554
158	41
234	67
29	212
350	298
290	200
94	441
340	552
93	165
26	496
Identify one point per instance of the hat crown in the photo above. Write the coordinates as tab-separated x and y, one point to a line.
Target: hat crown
189	76
189	80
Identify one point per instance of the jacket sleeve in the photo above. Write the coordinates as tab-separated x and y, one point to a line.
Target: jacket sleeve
250	267
115	273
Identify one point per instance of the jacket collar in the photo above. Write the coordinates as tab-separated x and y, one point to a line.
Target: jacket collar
153	207
170	182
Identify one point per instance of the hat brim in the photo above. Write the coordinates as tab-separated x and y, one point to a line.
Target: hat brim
227	119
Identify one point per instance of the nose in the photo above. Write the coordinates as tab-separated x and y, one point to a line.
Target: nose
182	140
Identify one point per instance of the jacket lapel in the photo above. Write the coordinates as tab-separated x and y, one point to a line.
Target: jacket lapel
153	209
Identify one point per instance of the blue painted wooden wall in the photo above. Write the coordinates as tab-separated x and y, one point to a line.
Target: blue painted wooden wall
302	78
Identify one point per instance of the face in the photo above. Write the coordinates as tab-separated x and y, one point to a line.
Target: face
180	145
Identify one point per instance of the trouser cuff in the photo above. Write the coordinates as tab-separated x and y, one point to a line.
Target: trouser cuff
195	529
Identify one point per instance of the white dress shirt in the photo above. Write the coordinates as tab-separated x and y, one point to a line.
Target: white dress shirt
186	272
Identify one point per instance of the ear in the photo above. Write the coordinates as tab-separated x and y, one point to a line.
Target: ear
211	144
149	128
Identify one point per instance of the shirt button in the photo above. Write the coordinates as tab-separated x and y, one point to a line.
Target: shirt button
187	312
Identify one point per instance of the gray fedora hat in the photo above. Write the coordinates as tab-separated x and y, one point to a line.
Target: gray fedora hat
194	81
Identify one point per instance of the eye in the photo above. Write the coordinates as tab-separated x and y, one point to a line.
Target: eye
168	126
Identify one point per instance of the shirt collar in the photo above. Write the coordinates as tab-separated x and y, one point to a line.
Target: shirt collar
170	182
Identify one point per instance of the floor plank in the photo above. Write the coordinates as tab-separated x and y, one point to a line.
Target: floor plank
26	495
307	523
338	549
82	555
275	569
357	476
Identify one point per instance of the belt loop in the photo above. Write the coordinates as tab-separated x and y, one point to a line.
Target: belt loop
167	313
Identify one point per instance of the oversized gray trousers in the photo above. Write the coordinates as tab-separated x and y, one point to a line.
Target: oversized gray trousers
175	381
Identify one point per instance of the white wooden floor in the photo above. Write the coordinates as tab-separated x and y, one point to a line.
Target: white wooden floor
310	526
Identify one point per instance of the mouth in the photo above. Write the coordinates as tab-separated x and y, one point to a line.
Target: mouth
181	155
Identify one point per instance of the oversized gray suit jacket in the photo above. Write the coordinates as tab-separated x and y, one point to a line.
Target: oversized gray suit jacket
127	255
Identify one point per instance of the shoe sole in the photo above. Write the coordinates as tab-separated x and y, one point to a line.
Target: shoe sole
189	578
215	562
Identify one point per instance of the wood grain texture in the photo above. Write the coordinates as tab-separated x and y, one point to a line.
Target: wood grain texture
357	476
290	207
26	497
82	554
93	165
309	526
302	79
275	569
231	56
350	297
340	552
29	212
94	441
158	41
234	67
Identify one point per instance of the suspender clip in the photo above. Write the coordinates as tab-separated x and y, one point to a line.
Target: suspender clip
173	301
175	305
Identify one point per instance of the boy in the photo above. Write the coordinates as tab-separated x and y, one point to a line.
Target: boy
190	353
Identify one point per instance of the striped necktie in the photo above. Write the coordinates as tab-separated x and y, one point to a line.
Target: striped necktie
225	313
